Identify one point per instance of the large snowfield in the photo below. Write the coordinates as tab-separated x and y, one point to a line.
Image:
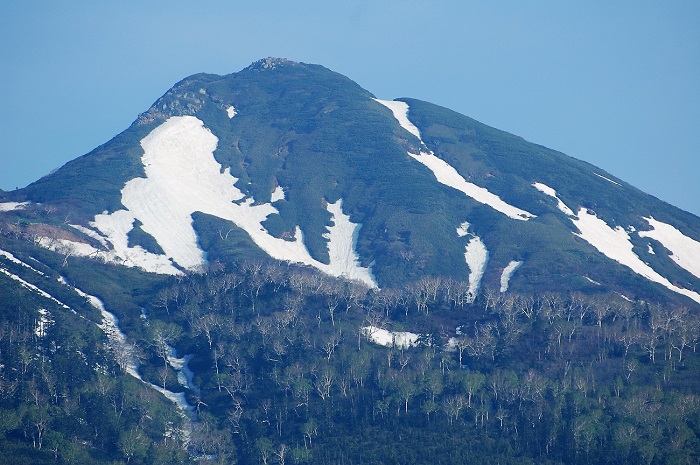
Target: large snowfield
183	177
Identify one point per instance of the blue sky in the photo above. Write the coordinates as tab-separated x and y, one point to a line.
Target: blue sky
614	83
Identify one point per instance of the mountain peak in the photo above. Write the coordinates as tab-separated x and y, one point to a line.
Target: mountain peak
270	63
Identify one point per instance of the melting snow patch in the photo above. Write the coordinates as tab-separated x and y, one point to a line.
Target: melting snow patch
110	326
447	175
184	374
277	194
9	206
616	245
400	111
686	251
552	193
342	240
463	229
507	273
607	179
477	257
231	111
400	340
43	323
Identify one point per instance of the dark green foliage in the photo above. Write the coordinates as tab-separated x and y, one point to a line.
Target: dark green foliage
276	353
138	236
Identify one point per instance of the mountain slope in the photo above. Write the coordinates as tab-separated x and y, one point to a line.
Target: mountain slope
301	164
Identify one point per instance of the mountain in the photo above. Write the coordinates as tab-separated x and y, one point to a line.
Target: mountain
259	243
299	163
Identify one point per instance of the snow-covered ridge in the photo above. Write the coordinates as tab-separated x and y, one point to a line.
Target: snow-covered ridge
126	352
32	287
17	261
686	251
616	244
183	177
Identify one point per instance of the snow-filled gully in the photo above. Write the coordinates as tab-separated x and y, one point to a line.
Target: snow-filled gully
447	174
126	357
616	244
125	352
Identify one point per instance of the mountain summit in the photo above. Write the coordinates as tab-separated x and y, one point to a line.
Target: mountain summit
298	163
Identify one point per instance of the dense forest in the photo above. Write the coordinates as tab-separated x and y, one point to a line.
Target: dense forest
286	372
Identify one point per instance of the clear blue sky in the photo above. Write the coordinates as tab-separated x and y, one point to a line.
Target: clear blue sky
614	83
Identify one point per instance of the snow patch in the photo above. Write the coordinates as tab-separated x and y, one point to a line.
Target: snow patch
607	179
383	337
477	256
592	281
463	229
115	227
552	193
616	245
231	111
447	175
185	376
686	251
342	242
400	111
277	194
10	206
650	250
508	273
